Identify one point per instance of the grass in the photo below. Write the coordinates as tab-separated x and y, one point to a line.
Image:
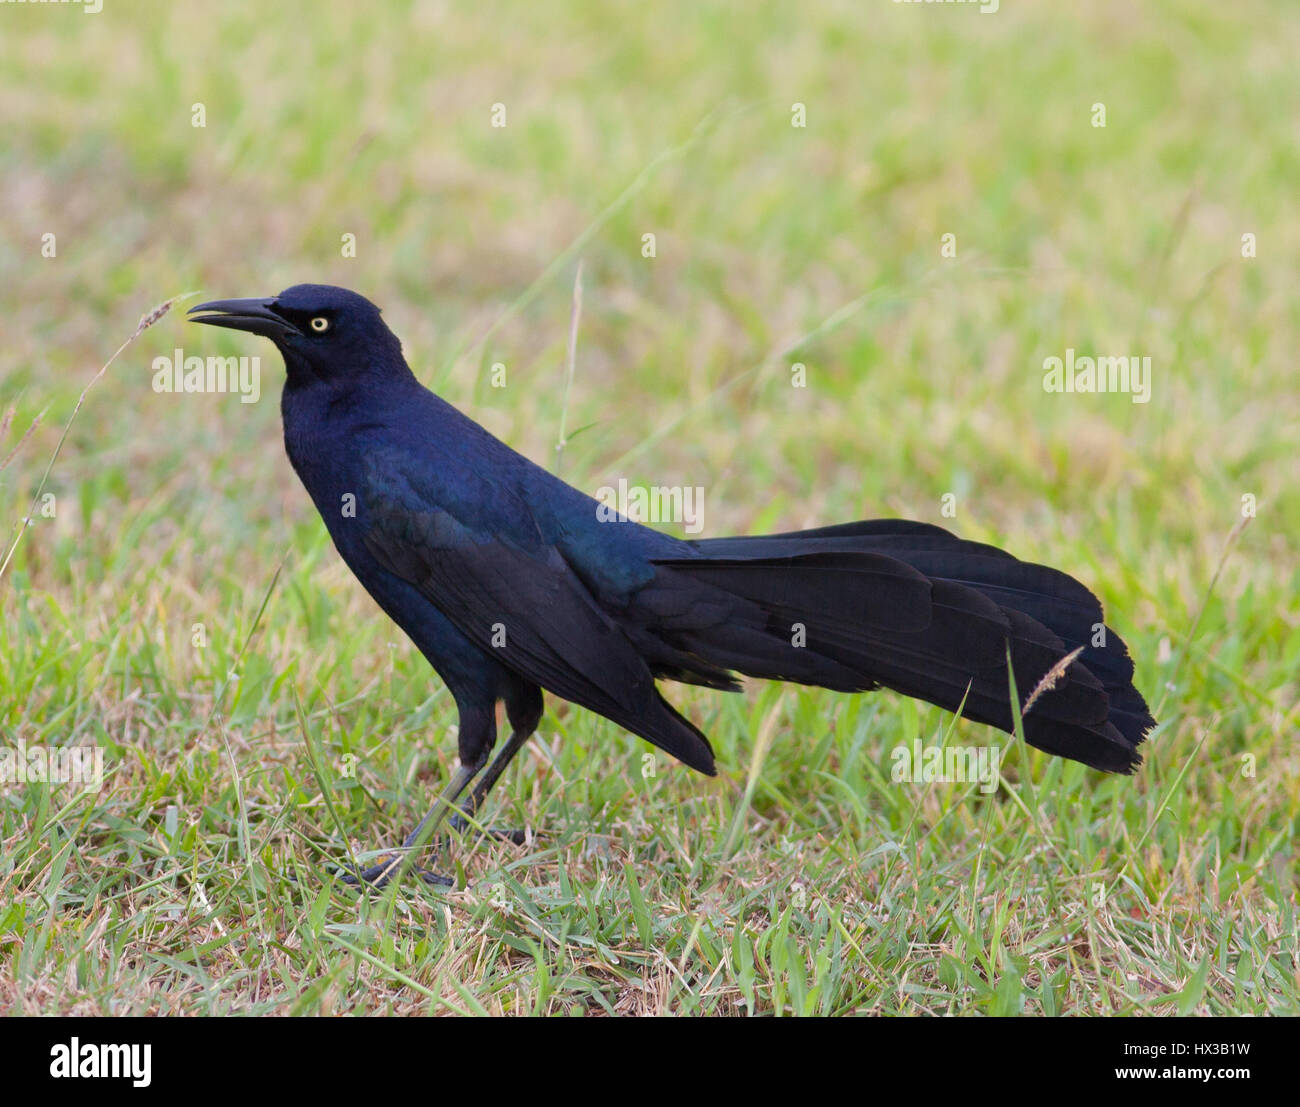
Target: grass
178	602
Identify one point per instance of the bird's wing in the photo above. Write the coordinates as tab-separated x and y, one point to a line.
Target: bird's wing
516	597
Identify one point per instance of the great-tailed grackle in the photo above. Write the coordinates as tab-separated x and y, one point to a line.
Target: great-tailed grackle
510	581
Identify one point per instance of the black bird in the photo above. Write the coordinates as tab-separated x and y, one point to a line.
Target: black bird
510	581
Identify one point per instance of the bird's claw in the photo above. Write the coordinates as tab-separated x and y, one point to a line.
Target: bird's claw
460	825
379	874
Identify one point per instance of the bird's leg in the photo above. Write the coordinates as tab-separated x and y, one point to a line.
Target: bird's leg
392	866
460	821
475	738
438	812
524	710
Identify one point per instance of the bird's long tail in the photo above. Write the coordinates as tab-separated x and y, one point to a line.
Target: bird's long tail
910	607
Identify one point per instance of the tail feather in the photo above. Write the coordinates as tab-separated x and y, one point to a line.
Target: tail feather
910	607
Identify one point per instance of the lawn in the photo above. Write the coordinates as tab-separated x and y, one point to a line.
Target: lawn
873	225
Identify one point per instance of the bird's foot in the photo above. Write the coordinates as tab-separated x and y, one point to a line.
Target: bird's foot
460	825
386	867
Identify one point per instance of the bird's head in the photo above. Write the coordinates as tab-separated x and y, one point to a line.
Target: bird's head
324	332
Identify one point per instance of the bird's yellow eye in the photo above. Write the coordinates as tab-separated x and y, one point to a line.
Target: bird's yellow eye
320	324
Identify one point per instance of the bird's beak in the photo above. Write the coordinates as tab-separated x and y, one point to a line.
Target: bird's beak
256	315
